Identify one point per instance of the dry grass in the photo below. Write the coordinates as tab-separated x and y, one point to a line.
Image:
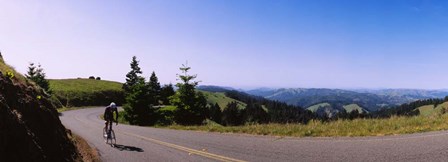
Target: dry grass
4	68
347	128
88	154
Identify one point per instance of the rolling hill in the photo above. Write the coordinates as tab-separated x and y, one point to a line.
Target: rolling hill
329	110
429	110
221	99
86	92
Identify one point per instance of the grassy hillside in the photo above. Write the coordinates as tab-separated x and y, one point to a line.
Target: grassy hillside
426	110
5	69
352	107
221	99
314	108
84	85
86	92
349	108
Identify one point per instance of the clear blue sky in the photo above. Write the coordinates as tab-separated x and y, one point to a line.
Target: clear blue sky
240	43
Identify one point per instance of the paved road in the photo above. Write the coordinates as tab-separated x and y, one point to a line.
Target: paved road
152	144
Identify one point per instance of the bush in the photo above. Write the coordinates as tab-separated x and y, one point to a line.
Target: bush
91	77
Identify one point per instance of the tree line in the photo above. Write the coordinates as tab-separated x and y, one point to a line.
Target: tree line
191	108
145	100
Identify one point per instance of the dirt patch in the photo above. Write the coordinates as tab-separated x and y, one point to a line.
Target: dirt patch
88	154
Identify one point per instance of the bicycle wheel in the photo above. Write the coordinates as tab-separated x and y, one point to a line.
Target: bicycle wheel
105	135
113	140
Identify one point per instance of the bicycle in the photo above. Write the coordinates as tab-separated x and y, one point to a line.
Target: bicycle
109	136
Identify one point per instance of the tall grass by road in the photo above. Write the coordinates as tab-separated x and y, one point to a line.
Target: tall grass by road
348	128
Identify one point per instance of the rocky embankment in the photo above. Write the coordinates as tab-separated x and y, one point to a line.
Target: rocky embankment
30	129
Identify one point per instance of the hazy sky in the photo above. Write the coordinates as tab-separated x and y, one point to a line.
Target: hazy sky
241	43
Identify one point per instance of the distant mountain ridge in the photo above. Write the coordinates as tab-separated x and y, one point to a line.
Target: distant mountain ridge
409	93
371	100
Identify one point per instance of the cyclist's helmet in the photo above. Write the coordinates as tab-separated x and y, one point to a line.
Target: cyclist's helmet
113	105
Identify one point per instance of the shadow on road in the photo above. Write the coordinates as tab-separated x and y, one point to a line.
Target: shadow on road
127	148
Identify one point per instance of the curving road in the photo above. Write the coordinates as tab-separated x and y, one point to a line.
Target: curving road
152	144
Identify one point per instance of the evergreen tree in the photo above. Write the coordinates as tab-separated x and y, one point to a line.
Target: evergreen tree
166	92
191	105
231	115
133	77
215	113
154	89
37	75
138	109
254	113
31	74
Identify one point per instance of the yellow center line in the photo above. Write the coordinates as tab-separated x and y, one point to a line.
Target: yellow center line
182	148
189	150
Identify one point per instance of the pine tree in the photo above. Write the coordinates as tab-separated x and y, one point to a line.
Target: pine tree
254	113
138	109
166	92
215	113
231	115
1	57
31	74
37	75
191	105
154	89
133	77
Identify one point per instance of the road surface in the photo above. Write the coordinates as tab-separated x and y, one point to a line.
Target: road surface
153	144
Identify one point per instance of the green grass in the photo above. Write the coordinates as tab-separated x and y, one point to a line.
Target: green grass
317	106
4	68
168	108
426	110
352	107
83	85
430	110
86	92
221	99
349	128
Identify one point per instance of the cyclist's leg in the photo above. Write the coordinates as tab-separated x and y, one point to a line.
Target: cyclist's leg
105	126
110	124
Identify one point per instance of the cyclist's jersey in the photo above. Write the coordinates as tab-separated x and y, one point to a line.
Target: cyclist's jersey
109	113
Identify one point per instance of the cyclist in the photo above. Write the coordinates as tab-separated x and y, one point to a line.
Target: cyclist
109	116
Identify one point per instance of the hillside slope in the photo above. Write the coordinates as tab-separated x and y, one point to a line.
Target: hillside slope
221	99
30	129
86	92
